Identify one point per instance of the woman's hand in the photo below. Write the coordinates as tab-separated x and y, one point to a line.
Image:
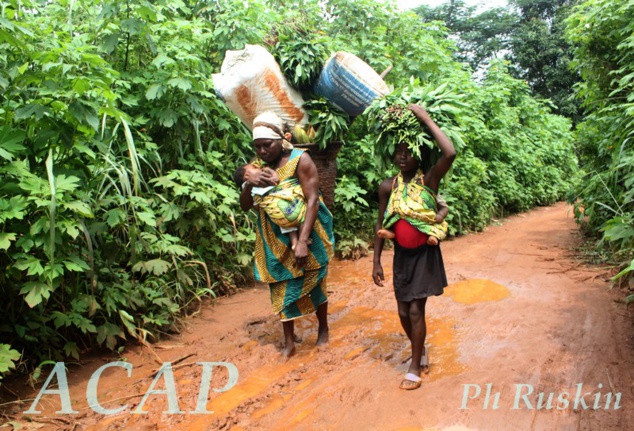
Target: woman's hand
301	254
261	177
377	274
271	174
419	111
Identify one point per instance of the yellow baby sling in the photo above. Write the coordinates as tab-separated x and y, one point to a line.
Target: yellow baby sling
284	204
415	203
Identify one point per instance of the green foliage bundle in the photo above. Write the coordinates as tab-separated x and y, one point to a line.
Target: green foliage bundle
391	122
330	123
300	50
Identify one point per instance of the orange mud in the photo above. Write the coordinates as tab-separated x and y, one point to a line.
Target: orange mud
519	310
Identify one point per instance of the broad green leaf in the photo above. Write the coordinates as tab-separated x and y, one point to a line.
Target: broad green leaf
71	350
8	357
154	266
147	218
182	83
109	332
11	142
79	207
154	91
66	183
30	263
84	114
33	109
35	292
115	217
76	264
5	240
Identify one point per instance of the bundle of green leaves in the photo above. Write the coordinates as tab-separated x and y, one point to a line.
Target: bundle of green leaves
330	122
391	122
300	50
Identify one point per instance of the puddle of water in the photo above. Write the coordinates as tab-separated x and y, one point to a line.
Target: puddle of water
364	331
384	340
443	341
476	290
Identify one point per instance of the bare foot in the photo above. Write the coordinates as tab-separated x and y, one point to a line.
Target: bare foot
289	350
386	234
322	337
432	240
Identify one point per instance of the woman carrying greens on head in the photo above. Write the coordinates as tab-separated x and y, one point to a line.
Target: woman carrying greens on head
418	269
297	278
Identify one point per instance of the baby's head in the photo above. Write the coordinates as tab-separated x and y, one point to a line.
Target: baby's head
239	174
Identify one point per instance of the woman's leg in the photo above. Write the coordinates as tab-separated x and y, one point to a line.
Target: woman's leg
289	338
322	318
418	333
412	316
403	315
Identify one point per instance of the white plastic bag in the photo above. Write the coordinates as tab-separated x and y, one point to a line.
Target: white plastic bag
251	82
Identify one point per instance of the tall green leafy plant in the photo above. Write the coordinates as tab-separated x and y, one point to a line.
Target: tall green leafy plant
601	34
95	245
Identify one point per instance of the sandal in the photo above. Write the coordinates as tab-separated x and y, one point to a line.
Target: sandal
411	382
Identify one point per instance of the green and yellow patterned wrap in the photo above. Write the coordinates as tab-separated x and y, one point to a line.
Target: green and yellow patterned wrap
415	203
295	292
285	203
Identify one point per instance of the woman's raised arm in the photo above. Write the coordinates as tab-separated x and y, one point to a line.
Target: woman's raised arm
448	152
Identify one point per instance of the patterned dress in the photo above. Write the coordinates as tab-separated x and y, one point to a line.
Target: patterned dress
295	292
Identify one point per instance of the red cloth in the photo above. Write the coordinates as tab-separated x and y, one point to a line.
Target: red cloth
408	236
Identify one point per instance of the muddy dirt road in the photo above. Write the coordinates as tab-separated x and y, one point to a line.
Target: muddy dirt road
522	321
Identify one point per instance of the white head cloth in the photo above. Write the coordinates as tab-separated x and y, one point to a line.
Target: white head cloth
269	126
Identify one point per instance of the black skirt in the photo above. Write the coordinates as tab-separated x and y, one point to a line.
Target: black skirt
418	272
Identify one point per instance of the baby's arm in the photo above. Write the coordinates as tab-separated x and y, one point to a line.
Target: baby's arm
443	209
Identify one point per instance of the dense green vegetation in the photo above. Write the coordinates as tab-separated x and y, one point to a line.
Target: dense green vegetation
602	34
117	210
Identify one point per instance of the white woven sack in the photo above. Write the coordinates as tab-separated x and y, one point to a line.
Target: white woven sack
251	82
